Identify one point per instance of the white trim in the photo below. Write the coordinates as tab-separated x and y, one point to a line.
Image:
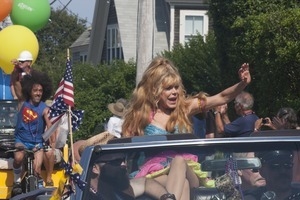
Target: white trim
172	26
183	14
113	30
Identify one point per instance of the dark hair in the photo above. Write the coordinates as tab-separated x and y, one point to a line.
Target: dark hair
36	77
290	116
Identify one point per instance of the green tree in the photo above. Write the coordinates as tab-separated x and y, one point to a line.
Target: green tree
265	34
96	87
197	62
54	40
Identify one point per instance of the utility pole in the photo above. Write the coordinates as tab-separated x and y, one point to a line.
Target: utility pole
145	36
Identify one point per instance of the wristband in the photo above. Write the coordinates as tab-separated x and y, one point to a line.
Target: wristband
216	112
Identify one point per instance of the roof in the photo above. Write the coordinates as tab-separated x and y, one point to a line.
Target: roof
83	39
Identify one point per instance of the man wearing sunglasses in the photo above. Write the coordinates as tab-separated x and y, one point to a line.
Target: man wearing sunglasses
110	181
251	178
22	67
277	169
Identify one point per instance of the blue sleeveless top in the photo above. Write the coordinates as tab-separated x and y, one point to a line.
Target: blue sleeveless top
30	123
150	129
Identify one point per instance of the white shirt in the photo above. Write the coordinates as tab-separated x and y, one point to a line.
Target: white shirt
114	126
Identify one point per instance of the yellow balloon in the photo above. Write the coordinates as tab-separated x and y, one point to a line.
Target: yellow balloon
13	40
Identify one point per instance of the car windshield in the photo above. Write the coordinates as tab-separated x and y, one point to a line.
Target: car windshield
264	167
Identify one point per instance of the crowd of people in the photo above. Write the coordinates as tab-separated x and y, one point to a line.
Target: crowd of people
159	105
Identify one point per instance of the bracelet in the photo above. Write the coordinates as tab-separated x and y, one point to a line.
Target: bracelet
216	112
167	196
199	104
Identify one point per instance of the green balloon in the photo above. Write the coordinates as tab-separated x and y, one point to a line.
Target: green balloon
33	14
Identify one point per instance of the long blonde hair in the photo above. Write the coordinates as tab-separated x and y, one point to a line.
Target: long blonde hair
160	74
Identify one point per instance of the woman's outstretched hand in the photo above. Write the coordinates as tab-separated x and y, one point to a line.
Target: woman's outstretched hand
244	73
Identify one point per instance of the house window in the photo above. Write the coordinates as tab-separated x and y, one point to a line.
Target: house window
83	57
192	22
114	47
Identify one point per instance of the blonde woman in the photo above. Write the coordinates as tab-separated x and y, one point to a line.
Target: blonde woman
159	105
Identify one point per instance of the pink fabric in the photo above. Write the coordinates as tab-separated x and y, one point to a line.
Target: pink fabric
160	161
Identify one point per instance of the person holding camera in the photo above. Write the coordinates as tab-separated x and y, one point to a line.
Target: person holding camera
243	126
286	118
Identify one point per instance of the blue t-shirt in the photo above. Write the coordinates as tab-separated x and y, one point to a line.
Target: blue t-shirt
30	123
241	127
199	127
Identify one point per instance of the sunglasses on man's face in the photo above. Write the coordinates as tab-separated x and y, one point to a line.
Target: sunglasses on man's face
254	170
25	61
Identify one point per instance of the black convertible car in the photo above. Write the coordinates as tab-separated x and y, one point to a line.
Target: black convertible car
263	166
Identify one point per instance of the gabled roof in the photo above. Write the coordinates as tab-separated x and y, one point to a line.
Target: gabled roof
83	39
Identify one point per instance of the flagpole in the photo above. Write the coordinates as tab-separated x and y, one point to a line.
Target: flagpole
70	121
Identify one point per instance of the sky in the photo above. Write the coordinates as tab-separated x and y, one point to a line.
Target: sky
83	8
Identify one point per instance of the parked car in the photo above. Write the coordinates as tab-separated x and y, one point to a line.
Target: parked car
220	160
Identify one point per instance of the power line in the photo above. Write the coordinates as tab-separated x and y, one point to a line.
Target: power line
65	7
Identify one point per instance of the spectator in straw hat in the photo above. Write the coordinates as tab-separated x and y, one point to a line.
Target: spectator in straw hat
114	125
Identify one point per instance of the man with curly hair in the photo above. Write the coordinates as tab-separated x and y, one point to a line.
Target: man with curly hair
32	120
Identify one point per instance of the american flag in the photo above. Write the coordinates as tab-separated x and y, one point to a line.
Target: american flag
59	108
65	87
63	97
74	176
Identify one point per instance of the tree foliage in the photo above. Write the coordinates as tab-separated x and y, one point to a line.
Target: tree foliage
96	87
265	34
197	62
54	40
62	30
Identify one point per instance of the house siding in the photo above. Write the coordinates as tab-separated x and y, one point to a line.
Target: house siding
126	11
162	27
112	19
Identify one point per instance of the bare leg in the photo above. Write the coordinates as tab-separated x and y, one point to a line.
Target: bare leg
192	177
17	165
49	164
37	163
185	191
148	186
176	182
154	189
138	186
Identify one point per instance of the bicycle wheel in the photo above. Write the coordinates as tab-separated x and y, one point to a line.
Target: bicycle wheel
31	183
